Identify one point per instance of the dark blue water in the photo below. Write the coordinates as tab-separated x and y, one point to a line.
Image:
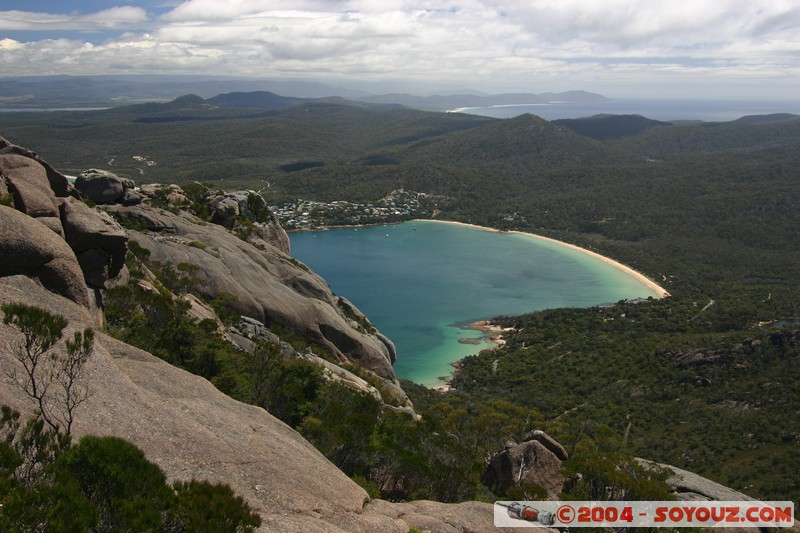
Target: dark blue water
666	110
419	281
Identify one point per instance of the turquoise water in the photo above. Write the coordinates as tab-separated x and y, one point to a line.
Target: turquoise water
419	281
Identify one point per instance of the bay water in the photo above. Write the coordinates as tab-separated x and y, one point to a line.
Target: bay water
422	282
664	109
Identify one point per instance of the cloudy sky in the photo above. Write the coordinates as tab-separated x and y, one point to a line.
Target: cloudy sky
622	48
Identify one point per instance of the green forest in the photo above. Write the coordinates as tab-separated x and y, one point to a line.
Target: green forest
706	379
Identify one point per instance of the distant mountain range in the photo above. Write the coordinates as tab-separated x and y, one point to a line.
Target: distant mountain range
110	91
47	92
605	127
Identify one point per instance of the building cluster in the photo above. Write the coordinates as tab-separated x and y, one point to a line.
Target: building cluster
397	206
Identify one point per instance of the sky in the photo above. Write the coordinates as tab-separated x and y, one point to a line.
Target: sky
725	49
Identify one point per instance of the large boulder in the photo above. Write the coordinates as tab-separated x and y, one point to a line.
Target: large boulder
548	442
273	233
98	240
27	179
58	182
32	249
100	186
688	486
228	208
171	194
224	209
525	466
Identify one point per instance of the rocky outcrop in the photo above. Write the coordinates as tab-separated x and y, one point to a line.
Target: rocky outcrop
230	208
27	180
696	357
58	182
689	487
548	442
192	430
247	331
100	186
32	249
98	244
268	285
529	466
98	241
85	248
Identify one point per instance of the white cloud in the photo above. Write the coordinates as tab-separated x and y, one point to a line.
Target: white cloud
517	44
115	17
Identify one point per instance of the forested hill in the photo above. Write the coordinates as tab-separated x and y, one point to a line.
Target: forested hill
748	136
605	127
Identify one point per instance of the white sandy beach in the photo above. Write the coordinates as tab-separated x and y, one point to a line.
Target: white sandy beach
658	289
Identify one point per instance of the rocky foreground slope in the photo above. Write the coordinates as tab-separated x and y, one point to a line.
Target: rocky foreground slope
191	430
57	253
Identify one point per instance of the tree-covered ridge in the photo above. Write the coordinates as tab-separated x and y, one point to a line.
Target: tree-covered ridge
194	140
605	127
713	138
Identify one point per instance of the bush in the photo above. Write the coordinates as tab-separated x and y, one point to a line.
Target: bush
204	507
128	492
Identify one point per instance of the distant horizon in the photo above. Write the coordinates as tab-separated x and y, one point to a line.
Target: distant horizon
388	88
727	49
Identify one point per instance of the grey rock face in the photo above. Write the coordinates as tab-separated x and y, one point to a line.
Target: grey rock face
100	186
97	245
224	209
548	442
274	234
268	285
525	464
58	182
691	487
127	183
54	223
250	205
27	179
86	230
32	249
130	197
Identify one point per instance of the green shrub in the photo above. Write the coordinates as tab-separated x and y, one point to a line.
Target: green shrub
204	507
7	199
129	492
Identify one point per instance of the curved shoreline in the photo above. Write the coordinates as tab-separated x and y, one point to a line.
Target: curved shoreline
660	291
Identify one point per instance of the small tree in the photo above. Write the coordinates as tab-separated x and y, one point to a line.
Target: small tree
204	507
52	379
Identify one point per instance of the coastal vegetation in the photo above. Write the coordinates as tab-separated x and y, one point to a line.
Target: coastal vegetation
705	380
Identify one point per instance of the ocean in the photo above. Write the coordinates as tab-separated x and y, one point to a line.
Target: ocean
665	110
421	282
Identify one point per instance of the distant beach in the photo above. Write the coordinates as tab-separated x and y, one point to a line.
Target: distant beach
655	287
